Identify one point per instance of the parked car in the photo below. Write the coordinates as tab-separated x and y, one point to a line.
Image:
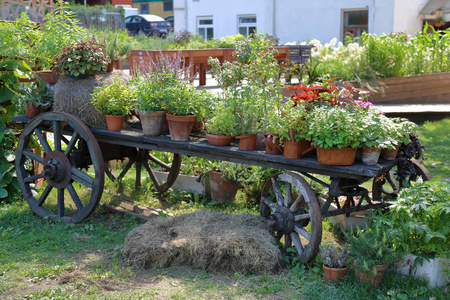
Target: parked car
147	24
169	19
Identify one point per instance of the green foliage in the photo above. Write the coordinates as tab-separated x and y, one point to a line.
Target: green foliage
37	93
418	221
115	99
292	122
234	172
153	92
371	247
81	58
334	127
222	121
334	256
11	71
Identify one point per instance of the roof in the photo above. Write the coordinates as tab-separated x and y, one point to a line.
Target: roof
432	5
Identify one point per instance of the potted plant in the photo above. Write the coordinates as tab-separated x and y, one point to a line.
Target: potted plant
334	259
418	223
225	179
372	253
37	98
398	130
114	101
79	59
151	102
221	127
184	107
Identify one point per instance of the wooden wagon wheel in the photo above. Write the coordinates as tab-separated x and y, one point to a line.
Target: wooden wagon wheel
65	166
387	186
142	159
299	220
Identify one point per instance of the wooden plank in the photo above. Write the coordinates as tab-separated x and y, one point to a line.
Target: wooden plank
416	78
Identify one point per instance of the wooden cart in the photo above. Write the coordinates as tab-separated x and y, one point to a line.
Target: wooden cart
76	155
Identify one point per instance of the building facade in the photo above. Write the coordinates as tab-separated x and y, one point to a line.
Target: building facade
299	20
162	8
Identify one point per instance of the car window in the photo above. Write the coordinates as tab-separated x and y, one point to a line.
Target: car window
136	19
127	19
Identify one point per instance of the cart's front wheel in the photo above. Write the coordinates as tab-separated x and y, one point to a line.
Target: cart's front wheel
291	209
68	178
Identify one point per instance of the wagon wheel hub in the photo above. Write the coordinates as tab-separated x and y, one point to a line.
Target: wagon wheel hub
282	220
57	169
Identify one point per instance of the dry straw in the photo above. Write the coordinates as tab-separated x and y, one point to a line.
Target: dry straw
204	240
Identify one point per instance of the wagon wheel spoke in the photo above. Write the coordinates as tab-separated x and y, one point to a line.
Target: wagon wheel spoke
159	162
301	226
173	169
153	177
127	167
63	177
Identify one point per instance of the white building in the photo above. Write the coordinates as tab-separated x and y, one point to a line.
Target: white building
302	20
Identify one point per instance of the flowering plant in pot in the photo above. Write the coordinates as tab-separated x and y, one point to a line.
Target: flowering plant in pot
334	259
79	59
332	128
114	101
372	253
221	126
37	98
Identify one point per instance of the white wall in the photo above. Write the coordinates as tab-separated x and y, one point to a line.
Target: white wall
298	20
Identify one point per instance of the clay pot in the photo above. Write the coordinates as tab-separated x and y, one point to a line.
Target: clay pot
152	122
48	76
219	140
373	280
336	157
389	154
32	110
273	145
180	127
334	274
247	142
114	123
198	126
292	149
221	190
110	67
370	155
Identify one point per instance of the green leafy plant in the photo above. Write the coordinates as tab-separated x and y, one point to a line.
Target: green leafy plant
152	94
292	122
222	121
371	247
115	99
81	58
418	221
37	93
334	256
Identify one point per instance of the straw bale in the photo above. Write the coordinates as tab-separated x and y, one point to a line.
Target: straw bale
73	96
204	240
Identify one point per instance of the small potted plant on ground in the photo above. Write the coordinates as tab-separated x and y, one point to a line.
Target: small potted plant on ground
221	127
114	101
79	59
334	259
372	254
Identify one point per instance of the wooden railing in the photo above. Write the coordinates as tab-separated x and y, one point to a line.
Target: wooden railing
196	59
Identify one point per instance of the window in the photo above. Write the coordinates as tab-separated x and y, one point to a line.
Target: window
355	23
144	8
168	6
247	25
205	28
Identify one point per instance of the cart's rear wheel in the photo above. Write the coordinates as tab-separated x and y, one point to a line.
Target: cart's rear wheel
296	218
142	163
68	149
387	187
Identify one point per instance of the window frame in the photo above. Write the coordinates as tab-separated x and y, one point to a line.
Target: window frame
247	26
205	26
356	30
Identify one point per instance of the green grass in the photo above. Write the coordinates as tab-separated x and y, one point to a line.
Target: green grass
44	260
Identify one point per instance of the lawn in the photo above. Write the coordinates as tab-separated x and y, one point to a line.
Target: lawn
44	260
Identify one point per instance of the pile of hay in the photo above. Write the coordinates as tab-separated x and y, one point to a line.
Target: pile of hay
204	240
73	96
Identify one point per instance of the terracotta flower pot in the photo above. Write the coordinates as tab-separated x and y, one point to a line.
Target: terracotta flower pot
389	154
334	274
247	142
221	190
219	140
370	155
292	149
114	123
198	126
32	110
110	67
180	127
373	280
273	145
48	76
152	122
336	157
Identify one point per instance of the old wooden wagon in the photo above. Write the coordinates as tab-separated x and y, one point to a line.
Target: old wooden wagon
75	155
